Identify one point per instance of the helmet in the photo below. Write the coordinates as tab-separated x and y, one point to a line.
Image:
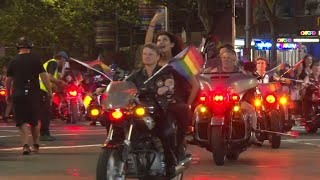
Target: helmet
23	42
62	54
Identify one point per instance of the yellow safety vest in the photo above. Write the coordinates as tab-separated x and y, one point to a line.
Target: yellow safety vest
55	75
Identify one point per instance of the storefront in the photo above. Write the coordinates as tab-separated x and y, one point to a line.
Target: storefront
287	50
310	43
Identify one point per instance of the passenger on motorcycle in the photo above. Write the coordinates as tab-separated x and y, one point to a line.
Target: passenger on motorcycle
186	91
229	64
163	86
311	82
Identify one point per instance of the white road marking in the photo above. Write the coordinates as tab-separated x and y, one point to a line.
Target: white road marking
55	147
80	130
57	135
299	140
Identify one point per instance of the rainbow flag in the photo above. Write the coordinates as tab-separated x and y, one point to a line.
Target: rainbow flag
188	62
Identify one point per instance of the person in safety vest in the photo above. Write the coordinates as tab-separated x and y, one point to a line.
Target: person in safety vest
51	67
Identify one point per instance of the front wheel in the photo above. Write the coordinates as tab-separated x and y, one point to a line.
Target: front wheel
275	125
109	166
74	115
218	145
311	128
233	156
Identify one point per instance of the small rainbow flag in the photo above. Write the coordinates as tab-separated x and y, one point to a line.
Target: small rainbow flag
188	62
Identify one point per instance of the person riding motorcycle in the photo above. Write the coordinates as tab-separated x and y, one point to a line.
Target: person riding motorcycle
261	73
162	85
311	82
229	64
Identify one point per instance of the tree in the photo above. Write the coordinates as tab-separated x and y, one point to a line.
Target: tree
270	14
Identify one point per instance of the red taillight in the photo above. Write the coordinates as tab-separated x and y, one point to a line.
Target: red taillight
116	115
73	93
271	99
3	92
235	97
56	99
202	98
218	98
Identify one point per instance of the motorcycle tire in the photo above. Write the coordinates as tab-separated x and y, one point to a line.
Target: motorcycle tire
218	145
108	166
275	125
310	128
233	156
74	115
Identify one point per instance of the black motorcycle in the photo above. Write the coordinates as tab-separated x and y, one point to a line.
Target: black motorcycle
3	103
268	102
136	152
220	125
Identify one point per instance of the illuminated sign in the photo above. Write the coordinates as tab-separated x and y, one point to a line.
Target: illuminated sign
263	45
266	45
308	33
284	40
284	46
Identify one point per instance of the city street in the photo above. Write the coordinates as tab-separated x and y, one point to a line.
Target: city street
74	155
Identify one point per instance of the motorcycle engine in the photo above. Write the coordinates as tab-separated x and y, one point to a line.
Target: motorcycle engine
146	158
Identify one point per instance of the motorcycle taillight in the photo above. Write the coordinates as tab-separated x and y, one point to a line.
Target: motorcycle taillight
116	115
73	93
219	98
3	92
234	97
271	99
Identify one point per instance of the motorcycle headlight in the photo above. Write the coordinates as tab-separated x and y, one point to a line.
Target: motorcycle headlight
139	111
94	112
203	112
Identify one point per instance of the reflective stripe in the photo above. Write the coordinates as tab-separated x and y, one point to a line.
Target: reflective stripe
55	75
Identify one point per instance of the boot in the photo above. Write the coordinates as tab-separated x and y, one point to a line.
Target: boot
254	140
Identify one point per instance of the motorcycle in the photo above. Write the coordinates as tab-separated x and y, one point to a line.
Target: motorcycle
3	103
313	123
71	107
220	125
136	153
95	111
268	102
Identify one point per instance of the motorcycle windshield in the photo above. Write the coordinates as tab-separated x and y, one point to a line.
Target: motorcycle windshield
269	88
119	93
234	82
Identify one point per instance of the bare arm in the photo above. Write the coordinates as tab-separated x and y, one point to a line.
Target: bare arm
56	81
150	32
194	90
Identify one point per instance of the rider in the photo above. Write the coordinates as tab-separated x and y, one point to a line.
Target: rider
261	73
163	84
229	64
314	78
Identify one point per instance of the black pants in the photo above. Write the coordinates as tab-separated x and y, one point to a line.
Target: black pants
45	114
307	109
181	113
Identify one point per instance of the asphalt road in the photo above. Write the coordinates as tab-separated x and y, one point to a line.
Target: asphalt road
74	154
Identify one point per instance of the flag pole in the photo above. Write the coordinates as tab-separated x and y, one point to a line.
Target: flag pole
292	68
273	68
89	67
156	73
